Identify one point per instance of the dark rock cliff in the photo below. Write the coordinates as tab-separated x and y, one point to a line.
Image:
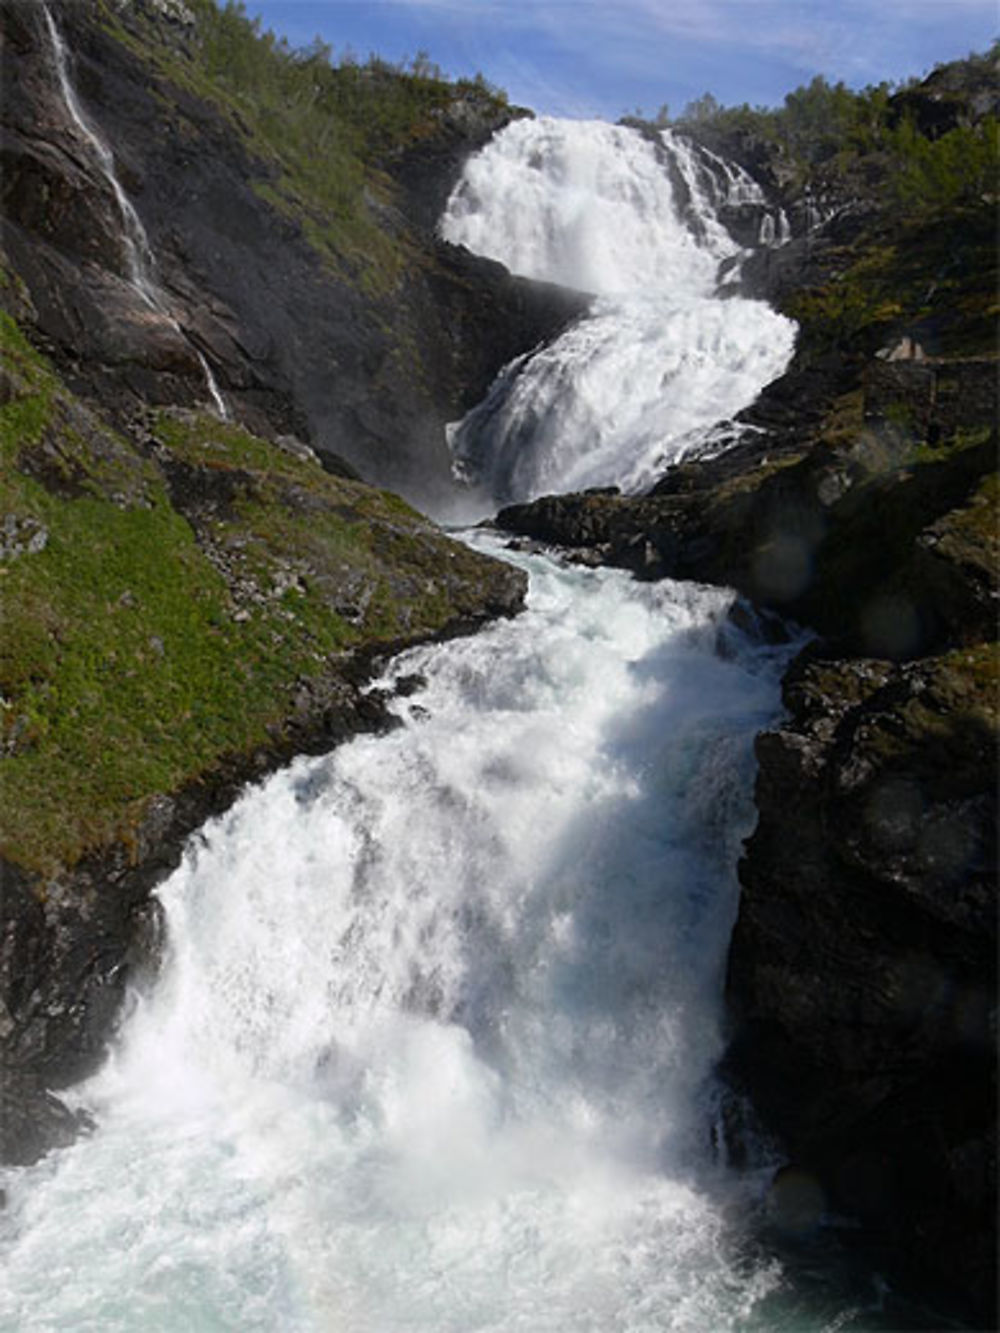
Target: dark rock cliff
863	965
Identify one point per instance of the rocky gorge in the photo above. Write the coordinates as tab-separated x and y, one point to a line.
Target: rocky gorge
235	583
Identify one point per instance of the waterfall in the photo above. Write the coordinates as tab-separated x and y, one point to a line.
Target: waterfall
662	361
140	263
215	393
720	189
432	1045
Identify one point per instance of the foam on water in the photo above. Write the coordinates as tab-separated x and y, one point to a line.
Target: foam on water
433	1040
617	398
432	1047
581	203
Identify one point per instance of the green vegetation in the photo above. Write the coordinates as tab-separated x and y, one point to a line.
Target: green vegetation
957	169
937	282
169	613
980	668
970	536
319	131
825	132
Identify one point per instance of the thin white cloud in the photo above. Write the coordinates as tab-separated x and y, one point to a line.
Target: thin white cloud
587	57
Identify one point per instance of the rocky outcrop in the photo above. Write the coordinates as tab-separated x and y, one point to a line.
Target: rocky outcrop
862	972
842	516
952	96
427	170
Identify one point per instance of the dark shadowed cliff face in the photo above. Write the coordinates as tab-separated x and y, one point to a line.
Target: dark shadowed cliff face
863	965
365	358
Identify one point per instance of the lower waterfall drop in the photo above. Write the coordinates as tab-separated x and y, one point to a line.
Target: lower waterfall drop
433	1039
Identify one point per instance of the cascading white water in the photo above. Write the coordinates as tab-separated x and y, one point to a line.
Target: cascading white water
661	361
432	1044
718	185
140	263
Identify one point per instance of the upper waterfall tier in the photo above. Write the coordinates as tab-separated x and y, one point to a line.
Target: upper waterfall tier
582	203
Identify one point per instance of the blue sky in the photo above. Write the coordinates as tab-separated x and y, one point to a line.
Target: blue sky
608	57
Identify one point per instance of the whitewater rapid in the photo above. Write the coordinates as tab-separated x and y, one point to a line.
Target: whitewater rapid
432	1046
664	358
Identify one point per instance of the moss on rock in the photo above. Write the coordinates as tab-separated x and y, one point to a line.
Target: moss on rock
164	608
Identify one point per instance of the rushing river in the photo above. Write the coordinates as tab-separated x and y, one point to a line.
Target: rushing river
433	1043
432	1047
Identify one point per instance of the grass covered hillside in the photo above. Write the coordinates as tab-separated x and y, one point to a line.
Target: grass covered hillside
186	598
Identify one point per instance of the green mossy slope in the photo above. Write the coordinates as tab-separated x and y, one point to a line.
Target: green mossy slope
165	606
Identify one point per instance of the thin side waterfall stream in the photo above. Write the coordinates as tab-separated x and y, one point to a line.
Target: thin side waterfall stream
140	264
432	1047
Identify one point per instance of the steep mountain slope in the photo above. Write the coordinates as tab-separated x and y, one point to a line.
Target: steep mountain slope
284	255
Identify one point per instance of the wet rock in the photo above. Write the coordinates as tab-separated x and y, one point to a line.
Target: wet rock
851	538
33	1122
367	380
862	972
408	685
